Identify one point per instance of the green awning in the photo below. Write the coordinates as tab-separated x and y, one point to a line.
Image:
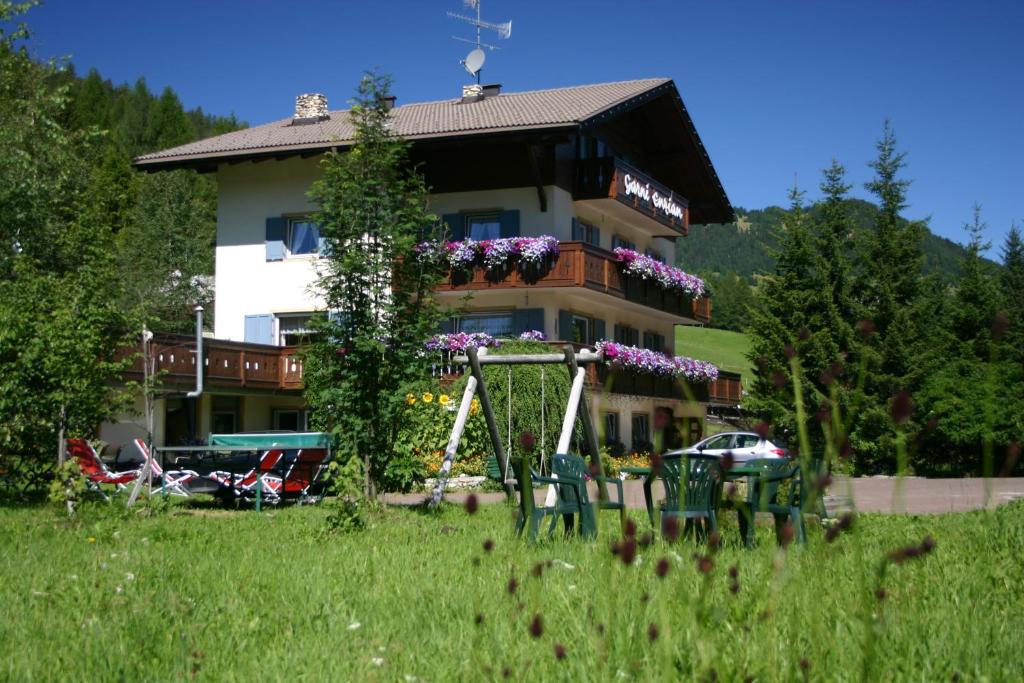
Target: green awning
279	440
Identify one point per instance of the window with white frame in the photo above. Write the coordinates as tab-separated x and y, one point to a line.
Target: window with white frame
582	330
611	427
496	324
302	237
483	226
641	430
588	233
294	329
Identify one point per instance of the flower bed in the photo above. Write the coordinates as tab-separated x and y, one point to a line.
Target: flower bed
460	341
649	362
493	254
668	277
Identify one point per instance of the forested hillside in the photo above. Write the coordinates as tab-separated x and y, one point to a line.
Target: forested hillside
732	257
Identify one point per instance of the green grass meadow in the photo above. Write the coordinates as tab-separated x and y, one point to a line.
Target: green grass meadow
724	348
205	594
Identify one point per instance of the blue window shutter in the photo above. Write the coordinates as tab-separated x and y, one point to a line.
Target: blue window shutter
617	334
524	319
456	226
448	326
597	236
259	329
576	234
510	223
275	237
564	325
598	328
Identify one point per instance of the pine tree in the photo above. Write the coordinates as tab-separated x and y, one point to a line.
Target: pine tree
372	214
1012	285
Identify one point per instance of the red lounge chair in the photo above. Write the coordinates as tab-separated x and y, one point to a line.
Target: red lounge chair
303	474
174	481
244	485
94	471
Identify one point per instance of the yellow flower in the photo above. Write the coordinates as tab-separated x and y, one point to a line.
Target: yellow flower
410	398
443	399
474	407
91	539
428	397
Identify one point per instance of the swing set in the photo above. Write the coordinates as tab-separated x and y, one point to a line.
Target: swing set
576	407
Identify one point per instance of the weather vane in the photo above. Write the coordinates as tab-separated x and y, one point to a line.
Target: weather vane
474	61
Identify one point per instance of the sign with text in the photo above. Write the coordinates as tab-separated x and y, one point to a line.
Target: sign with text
633	188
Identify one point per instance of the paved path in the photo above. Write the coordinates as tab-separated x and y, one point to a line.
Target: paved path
869	494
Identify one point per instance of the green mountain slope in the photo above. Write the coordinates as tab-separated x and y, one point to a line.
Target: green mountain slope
724	348
744	247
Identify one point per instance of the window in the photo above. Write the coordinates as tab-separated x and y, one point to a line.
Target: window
611	427
654	342
627	335
499	324
224	415
624	243
486	226
293	330
581	331
641	430
291	420
585	232
746	441
302	236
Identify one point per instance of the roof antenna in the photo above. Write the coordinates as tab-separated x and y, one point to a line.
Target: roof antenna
474	61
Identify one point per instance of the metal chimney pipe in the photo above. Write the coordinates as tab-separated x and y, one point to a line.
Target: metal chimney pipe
199	354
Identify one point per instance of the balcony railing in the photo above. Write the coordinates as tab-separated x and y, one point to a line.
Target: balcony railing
227	364
583	265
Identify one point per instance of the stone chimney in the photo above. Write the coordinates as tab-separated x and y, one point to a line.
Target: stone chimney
388	102
310	108
475	93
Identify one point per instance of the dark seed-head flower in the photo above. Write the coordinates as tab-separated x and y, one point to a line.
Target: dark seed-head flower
728	460
538	570
559	651
831	533
616	547
488	545
927	545
646	597
880	593
734	572
902	406
786	534
512	585
537	626
661	569
479	619
788	351
836	369
805	664
527	441
999	325
705	564
824	413
804	334
866	327
714	541
472	504
670	529
825	378
627	551
506	672
656	464
734	587
762	429
845	449
652	631
630	528
646	538
779	379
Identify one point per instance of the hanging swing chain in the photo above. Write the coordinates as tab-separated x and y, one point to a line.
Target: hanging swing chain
508	457
542	420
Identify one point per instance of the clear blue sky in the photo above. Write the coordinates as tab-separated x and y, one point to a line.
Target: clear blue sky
776	89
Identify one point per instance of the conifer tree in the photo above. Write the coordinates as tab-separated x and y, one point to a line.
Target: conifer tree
1012	285
372	214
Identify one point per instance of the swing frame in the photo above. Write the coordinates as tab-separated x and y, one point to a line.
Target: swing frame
577	407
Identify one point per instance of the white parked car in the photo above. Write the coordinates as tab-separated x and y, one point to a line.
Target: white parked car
744	446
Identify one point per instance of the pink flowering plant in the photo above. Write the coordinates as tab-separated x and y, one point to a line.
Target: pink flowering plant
460	341
636	359
493	254
668	277
533	335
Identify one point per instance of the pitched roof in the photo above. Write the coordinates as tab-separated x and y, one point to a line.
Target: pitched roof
504	112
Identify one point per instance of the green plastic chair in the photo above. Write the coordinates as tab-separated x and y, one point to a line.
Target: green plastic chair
692	484
763	496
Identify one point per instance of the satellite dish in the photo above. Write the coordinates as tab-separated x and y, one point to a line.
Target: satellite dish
474	61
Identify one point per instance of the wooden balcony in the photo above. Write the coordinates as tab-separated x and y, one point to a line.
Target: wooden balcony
725	390
228	365
583	265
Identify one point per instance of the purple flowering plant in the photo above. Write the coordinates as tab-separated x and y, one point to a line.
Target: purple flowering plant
668	277
533	335
460	341
492	254
650	362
